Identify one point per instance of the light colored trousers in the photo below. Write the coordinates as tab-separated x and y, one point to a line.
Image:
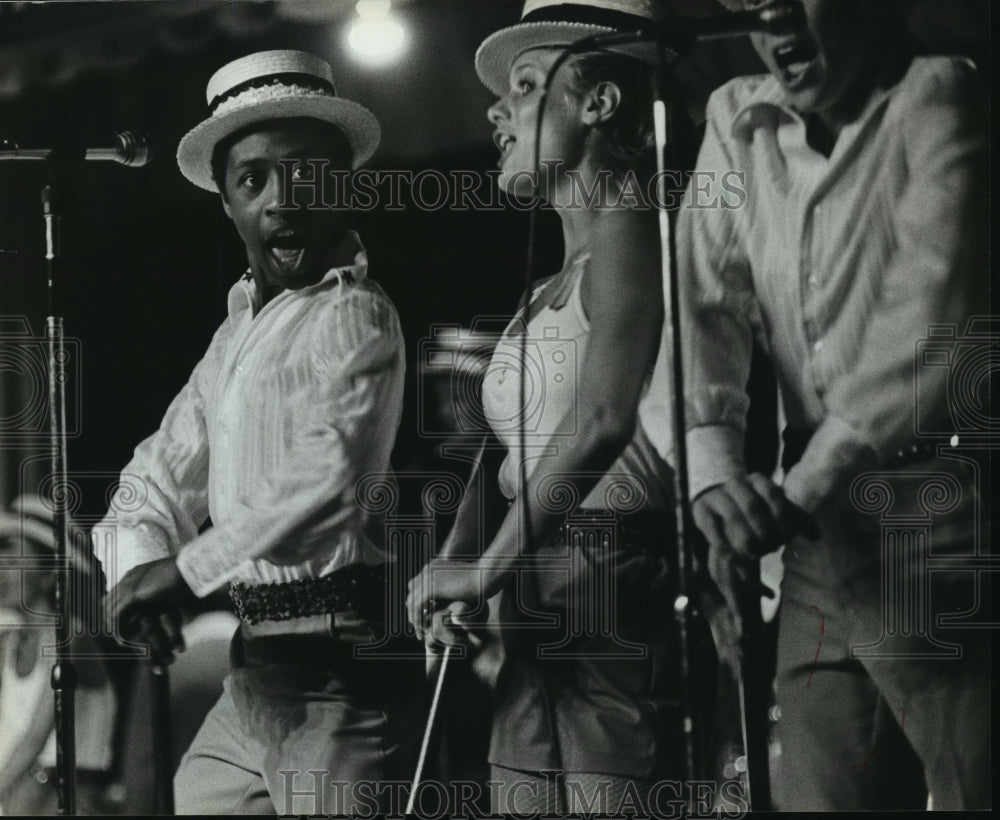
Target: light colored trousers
303	726
883	647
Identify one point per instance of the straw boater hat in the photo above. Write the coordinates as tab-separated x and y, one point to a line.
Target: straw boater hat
558	23
272	85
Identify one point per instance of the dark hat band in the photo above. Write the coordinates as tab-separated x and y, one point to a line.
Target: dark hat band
309	81
588	15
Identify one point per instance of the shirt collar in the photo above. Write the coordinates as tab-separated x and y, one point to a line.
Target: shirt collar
243	295
770	108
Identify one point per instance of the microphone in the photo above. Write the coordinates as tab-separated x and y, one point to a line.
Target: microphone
776	18
128	148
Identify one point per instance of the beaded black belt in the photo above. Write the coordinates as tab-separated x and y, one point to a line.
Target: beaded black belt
357	587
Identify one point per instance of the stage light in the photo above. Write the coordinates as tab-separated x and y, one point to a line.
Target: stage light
375	36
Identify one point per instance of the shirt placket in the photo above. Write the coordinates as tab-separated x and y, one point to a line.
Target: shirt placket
229	457
224	454
813	255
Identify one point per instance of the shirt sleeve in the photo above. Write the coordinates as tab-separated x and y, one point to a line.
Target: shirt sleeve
162	497
351	426
718	305
933	278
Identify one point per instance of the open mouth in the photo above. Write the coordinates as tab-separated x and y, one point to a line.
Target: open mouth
795	59
504	142
287	247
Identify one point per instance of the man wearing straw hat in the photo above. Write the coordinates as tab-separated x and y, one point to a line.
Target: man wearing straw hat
864	225
298	396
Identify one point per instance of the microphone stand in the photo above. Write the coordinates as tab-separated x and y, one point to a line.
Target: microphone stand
63	672
130	149
664	121
665	140
753	689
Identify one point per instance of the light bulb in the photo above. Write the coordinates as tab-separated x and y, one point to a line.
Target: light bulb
375	36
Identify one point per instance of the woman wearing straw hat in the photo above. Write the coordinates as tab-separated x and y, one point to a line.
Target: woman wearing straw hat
299	394
585	698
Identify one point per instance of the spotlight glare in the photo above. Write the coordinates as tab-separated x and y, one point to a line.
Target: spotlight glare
373	9
374	36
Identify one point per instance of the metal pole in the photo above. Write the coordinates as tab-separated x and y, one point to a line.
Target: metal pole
753	687
683	608
754	697
163	742
63	673
666	139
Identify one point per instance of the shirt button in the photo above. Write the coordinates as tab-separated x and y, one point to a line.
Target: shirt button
814	280
239	368
818	346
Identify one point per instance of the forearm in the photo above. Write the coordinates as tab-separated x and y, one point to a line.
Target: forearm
719	305
580	462
479	513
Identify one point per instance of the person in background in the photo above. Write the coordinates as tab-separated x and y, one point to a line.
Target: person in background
27	640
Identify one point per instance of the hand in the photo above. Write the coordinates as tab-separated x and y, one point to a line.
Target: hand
452	627
145	606
750	516
443	580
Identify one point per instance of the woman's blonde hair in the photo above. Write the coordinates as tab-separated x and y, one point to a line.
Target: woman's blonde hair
629	143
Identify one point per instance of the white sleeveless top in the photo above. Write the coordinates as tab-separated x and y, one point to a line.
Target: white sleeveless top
556	344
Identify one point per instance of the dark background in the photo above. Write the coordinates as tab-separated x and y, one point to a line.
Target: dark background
151	257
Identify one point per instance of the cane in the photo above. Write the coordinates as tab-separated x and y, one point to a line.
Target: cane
163	746
63	672
425	744
754	685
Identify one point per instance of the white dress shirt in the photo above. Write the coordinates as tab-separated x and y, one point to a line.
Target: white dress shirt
838	264
292	404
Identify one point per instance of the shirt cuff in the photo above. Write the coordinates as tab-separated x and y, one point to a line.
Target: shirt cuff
120	549
835	453
205	564
715	455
